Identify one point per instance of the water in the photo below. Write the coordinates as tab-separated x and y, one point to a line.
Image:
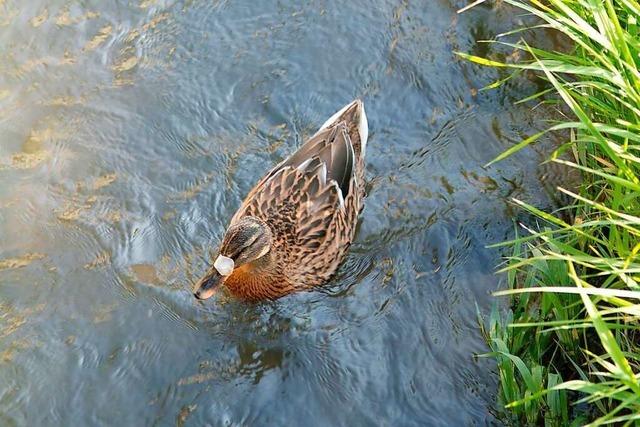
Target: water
129	133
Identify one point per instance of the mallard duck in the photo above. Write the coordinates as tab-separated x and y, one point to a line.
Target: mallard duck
293	229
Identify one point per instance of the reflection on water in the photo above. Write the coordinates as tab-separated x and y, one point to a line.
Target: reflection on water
129	133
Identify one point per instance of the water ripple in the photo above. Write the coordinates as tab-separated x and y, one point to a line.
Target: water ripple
130	135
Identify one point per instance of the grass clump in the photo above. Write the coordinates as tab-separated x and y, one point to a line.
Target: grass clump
568	352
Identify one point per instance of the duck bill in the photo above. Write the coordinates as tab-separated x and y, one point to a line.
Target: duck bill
207	286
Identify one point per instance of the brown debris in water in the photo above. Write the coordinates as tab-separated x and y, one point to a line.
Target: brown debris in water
71	213
101	259
21	261
184	414
158	18
33	152
99	38
104	180
120	81
126	64
113	216
11	320
7	355
48	61
33	144
146	3
74	209
65	18
145	273
79	203
63	101
193	189
132	35
12	324
103	313
168	215
197	378
28	160
36	21
447	185
6	18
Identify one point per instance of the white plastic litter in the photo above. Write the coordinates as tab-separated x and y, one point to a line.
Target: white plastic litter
224	265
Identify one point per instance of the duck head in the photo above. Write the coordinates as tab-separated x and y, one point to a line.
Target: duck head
247	241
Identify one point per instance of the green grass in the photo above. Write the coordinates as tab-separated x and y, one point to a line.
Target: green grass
568	351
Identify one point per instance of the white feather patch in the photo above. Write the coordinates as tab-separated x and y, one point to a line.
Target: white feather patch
302	166
363	128
363	125
323	175
224	265
340	198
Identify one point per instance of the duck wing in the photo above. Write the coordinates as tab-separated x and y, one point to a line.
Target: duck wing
331	150
330	162
298	202
322	167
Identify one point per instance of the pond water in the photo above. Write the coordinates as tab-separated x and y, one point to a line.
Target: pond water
129	133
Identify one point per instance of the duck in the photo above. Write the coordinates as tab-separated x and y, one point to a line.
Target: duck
293	229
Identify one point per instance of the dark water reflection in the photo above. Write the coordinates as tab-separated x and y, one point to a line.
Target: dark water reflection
129	133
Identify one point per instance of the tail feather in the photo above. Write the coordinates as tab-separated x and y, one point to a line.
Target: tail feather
354	116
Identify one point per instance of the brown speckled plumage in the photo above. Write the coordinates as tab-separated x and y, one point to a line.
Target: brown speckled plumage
310	203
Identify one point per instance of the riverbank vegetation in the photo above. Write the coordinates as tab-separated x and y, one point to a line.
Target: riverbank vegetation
568	350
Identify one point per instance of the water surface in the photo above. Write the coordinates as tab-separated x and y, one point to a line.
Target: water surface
130	132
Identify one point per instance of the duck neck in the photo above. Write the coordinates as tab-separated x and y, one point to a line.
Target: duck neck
255	280
263	266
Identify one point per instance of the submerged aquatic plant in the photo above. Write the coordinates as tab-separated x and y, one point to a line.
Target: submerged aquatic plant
569	350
